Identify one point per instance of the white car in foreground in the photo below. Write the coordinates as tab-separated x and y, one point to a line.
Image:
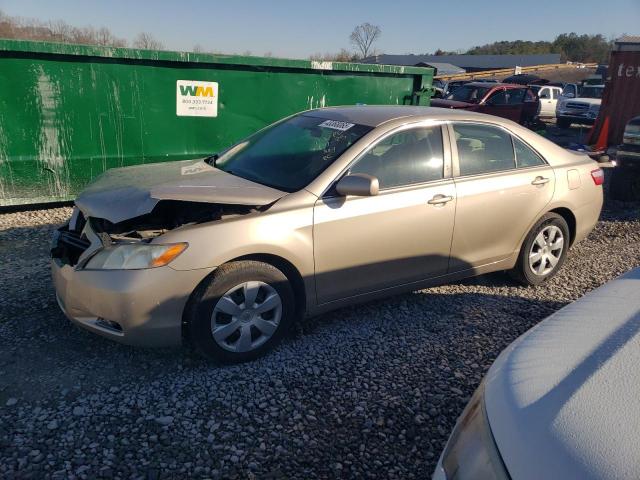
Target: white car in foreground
562	401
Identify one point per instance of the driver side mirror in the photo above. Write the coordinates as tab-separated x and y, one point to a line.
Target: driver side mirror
359	185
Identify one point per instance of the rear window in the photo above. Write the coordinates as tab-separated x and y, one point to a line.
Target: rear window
591	92
469	94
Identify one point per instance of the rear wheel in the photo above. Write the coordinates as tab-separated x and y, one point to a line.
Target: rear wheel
543	251
242	312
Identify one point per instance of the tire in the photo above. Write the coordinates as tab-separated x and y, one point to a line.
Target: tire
625	184
563	122
242	333
523	272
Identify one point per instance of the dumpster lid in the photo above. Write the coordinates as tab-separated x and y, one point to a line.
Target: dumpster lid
118	53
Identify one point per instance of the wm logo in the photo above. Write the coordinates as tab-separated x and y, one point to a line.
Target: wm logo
196	91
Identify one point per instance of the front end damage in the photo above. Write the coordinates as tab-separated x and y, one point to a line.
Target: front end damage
75	242
134	306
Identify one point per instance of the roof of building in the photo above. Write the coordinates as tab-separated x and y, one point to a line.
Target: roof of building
442	68
628	39
467	61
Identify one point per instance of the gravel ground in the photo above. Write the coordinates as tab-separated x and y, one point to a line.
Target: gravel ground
369	392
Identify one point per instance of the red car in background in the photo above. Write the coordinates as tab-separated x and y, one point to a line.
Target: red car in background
515	102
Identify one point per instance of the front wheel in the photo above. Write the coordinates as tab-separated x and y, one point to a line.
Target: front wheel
543	252
241	312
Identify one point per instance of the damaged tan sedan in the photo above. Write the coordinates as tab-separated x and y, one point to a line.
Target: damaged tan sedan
320	210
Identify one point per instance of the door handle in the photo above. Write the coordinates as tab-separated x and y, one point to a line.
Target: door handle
540	181
440	199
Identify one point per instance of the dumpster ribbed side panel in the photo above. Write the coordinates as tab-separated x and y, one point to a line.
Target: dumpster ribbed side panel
68	113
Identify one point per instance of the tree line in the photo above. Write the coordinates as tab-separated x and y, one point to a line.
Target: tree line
62	32
572	47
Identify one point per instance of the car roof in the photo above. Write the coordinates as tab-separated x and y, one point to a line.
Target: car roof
375	115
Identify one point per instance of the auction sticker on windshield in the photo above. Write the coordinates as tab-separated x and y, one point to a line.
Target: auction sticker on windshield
196	99
336	125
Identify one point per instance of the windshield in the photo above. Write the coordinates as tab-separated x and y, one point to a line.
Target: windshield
591	92
468	93
290	154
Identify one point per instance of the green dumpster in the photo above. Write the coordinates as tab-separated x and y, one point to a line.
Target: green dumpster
69	112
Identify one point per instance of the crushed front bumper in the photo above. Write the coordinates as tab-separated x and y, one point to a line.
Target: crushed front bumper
135	307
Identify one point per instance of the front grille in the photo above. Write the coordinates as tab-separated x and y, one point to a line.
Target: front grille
74	240
69	245
577	106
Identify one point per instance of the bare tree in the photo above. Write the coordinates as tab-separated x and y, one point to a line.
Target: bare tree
363	37
60	31
103	36
146	41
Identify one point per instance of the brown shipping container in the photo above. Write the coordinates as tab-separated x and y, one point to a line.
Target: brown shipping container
621	100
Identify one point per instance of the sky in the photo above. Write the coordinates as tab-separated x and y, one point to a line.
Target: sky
297	29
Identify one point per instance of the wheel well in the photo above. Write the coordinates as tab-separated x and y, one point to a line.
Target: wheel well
290	271
570	219
286	267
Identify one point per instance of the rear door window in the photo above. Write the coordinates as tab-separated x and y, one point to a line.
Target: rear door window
530	96
483	149
525	156
498	98
515	96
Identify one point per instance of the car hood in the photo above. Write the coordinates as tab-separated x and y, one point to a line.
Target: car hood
123	193
562	400
451	104
588	101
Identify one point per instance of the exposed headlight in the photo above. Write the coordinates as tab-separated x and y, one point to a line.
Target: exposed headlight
135	256
471	452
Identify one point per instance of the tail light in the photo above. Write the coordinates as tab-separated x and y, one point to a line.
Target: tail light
598	176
